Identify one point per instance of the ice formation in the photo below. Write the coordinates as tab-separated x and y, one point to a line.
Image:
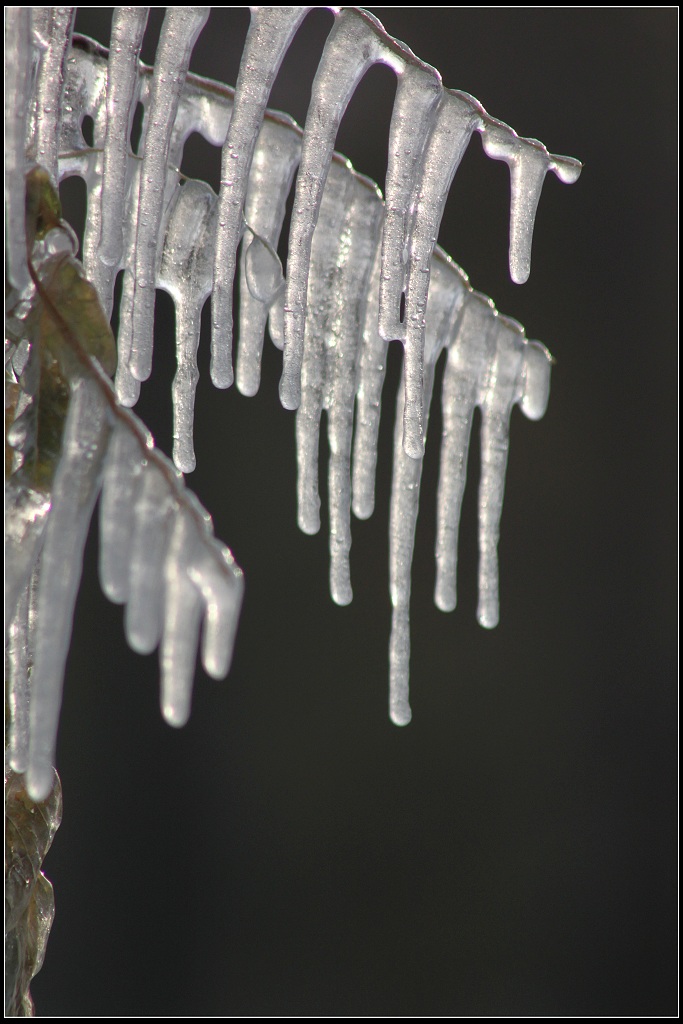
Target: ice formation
353	262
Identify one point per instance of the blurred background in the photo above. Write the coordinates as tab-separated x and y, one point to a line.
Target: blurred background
513	850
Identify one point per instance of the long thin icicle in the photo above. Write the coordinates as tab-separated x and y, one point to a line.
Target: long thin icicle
447	298
358	244
469	355
325	257
186	274
371	371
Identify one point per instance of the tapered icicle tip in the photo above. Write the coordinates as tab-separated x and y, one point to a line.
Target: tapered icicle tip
400	713
176	714
40	781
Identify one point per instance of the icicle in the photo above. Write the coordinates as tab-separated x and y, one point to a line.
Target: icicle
179	33
456	119
325	257
52	27
17	655
405	496
356	42
186	274
18	72
358	245
26	514
270	32
501	389
529	162
272	171
76	486
120	485
127	387
153	510
417	100
470	353
371	371
221	583
536	380
127	29
446	298
182	612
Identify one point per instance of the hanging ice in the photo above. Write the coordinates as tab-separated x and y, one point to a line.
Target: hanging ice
360	274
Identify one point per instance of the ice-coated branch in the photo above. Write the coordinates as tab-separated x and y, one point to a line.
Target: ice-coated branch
360	273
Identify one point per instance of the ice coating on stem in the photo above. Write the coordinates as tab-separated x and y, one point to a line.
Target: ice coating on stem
76	486
179	33
270	32
18	51
17	661
52	28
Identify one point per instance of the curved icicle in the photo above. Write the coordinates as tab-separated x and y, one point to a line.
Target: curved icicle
529	162
418	93
179	33
454	123
356	42
76	486
271	30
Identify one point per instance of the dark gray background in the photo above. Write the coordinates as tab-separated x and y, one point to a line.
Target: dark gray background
512	851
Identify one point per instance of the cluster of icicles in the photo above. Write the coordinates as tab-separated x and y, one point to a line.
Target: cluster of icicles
354	264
